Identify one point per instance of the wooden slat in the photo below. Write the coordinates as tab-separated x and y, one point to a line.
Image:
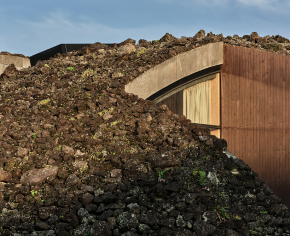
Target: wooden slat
256	110
242	102
234	84
246	108
173	103
231	141
279	118
275	74
283	107
224	93
266	104
287	104
268	128
285	176
238	112
253	161
263	95
283	126
266	145
287	127
271	116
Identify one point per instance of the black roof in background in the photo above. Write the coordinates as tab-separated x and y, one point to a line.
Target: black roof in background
61	48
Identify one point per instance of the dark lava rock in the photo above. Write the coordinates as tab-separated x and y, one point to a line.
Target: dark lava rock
80	156
167	38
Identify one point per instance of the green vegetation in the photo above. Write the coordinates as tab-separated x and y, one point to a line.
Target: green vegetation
202	178
70	69
106	111
264	212
34	135
87	73
237	217
160	173
141	51
206	157
224	214
33	193
45	102
46	66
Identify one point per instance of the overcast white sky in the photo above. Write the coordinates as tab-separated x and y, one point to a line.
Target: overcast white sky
32	26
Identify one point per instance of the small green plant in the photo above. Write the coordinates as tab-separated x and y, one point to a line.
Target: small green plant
34	135
206	157
61	216
237	217
106	111
70	69
45	101
160	173
141	51
33	192
202	178
42	200
264	212
46	66
87	73
224	214
89	232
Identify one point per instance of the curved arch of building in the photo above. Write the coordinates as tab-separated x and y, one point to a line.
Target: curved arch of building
190	79
176	68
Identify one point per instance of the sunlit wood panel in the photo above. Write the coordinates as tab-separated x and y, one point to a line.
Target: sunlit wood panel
197	103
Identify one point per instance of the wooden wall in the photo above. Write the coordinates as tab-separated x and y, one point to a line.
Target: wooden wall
255	113
197	103
200	103
174	103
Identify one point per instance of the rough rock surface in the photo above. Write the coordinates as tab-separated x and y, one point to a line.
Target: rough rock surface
12	54
80	156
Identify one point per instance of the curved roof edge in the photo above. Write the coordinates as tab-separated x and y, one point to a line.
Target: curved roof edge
176	68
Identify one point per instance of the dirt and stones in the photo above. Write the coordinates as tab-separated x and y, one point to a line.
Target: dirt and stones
12	54
80	156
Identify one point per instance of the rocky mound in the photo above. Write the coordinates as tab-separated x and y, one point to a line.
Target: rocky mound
12	54
80	156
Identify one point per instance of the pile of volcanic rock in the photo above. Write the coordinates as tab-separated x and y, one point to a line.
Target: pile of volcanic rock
12	54
80	156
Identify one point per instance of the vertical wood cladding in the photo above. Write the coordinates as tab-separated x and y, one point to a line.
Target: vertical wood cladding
174	103
255	88
197	103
